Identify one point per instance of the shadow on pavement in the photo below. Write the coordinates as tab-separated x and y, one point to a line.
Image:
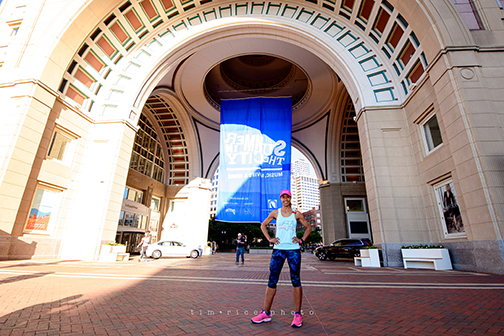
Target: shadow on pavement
24	277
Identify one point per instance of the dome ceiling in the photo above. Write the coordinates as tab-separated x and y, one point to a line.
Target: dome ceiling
255	67
254	76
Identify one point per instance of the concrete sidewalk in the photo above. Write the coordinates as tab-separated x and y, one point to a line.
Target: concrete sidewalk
212	295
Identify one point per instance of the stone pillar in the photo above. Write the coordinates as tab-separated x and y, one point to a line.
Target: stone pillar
469	91
99	189
27	106
332	213
334	220
187	219
392	182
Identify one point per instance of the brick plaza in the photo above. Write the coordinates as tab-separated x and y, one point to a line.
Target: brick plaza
212	295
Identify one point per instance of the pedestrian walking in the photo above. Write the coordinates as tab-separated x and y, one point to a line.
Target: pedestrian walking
286	246
144	243
240	246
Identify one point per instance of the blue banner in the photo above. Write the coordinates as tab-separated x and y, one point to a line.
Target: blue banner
255	157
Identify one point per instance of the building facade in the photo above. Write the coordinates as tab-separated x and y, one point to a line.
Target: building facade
313	217
397	105
306	192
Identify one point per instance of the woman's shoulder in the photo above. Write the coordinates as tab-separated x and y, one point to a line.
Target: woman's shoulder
274	213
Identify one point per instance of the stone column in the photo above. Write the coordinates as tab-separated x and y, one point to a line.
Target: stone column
99	190
469	93
392	182
27	106
332	212
187	220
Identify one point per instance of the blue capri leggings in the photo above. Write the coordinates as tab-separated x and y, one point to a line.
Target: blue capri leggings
277	261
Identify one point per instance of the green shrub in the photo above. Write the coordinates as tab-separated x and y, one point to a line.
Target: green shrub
421	246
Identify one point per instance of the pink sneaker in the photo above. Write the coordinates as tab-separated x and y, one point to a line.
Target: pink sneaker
262	317
298	321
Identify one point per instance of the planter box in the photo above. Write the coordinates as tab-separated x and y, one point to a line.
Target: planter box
117	249
368	258
438	259
112	253
261	251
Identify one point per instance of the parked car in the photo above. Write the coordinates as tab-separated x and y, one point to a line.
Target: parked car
172	249
342	248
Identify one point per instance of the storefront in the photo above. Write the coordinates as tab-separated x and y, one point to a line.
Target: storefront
133	223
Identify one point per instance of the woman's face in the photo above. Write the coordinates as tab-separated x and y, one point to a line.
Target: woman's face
286	200
448	187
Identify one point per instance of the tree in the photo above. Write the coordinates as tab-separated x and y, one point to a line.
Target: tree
225	233
314	237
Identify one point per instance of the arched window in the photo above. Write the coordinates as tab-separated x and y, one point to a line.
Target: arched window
173	136
351	159
147	157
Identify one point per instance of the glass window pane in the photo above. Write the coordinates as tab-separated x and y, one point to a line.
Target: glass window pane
355	205
152	145
432	133
121	218
134	161
141	165
155	203
58	145
128	219
139	196
132	195
359	227
148	168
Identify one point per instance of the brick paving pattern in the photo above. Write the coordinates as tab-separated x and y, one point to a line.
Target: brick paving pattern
212	295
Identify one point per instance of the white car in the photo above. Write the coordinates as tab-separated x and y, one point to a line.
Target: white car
167	248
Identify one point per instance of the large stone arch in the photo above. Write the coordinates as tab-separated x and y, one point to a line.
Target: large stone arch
356	41
367	74
130	78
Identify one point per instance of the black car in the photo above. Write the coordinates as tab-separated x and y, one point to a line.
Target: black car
342	248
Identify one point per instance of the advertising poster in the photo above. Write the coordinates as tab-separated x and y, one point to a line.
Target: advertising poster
450	210
44	206
255	157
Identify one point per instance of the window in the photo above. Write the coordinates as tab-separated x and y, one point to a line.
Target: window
469	13
62	146
133	194
155	201
147	157
351	158
43	211
133	220
432	134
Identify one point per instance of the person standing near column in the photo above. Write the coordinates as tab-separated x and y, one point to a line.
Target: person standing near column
287	246
240	246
